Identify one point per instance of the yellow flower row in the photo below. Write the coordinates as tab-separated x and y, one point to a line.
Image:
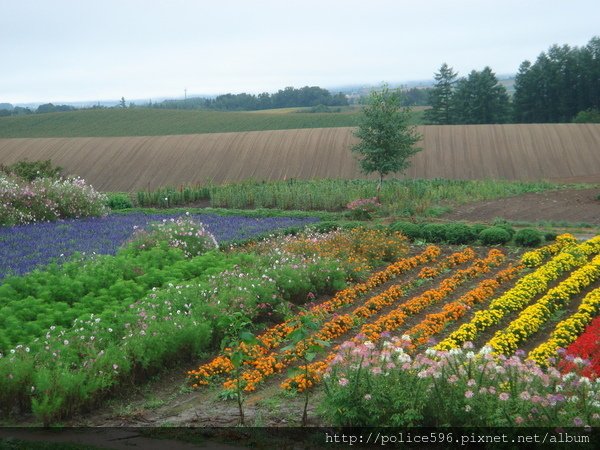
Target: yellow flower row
536	257
450	312
532	318
568	330
524	291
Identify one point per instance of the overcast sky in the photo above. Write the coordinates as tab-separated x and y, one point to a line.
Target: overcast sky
90	50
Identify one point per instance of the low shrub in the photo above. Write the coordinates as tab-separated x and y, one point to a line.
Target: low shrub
324	227
183	233
501	223
363	208
458	233
409	229
434	232
550	236
494	236
478	228
528	237
47	199
31	170
119	201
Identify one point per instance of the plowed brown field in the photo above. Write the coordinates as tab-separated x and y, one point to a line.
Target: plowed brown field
560	152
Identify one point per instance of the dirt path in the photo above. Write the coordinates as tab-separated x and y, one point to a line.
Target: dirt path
568	205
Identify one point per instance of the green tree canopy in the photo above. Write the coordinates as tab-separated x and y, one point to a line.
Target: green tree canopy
387	141
441	97
480	99
562	82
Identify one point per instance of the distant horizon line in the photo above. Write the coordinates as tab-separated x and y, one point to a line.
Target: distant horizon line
334	89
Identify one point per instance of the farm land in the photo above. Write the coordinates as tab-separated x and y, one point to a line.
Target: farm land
288	300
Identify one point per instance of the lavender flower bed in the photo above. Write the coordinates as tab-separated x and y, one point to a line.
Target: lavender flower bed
24	247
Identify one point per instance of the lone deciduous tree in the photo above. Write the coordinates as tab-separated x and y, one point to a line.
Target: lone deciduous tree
387	140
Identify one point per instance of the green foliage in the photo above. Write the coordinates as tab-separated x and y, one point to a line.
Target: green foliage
528	237
386	139
57	295
158	122
324	226
182	233
46	199
545	91
588	116
501	223
434	232
359	397
110	320
402	197
480	99
550	236
478	228
168	197
494	236
31	170
119	201
441	97
410	230
458	234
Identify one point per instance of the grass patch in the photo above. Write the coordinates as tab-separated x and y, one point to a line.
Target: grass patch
156	122
551	224
254	213
398	197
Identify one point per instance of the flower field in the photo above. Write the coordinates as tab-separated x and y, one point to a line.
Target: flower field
381	328
485	323
24	247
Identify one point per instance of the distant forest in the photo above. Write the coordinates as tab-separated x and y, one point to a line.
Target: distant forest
284	98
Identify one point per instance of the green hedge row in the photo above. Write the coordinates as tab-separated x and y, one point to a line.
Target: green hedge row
462	234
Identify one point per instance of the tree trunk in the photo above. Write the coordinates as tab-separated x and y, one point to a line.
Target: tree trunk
379	188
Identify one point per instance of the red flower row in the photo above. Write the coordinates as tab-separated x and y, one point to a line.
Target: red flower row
587	346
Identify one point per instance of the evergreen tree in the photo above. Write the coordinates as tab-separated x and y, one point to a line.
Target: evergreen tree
480	99
441	97
524	99
561	83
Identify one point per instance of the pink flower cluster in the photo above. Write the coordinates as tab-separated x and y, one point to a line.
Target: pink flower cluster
366	204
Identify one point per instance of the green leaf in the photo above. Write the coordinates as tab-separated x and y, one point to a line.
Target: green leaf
288	347
310	356
247	337
237	358
293	372
322	343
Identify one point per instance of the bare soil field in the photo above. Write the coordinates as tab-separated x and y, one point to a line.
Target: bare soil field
554	152
565	205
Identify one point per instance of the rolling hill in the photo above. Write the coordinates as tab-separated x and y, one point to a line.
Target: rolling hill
556	152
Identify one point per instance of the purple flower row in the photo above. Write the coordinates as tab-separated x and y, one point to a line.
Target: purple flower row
24	247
